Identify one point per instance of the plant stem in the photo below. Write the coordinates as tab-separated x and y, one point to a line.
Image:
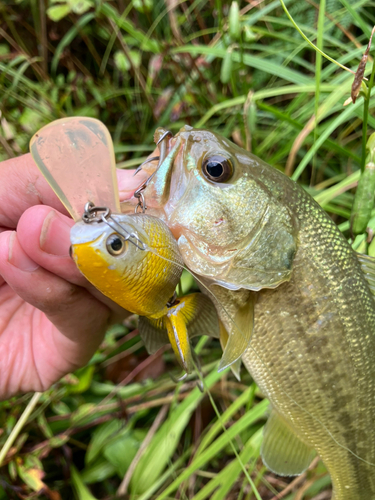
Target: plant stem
20	423
365	118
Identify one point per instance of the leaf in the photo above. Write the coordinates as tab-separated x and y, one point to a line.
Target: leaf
4	49
98	471
82	412
121	61
226	478
69	37
251	416
234	21
266	65
135	56
58	441
61	408
143	5
80	489
84	376
121	452
80	6
33	478
146	43
58	12
160	451
101	436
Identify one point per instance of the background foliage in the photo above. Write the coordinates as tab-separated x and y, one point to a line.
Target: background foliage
246	72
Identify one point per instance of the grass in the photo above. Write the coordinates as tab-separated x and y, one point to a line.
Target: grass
262	79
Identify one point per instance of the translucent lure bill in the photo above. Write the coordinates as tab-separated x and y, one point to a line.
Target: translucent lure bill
76	157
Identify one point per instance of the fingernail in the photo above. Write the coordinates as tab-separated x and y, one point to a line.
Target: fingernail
55	235
18	258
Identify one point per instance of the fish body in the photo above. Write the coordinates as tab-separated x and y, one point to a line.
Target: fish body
322	352
291	291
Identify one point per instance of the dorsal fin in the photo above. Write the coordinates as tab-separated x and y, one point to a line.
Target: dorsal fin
368	268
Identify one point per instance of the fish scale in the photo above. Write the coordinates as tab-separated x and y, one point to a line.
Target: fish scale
326	281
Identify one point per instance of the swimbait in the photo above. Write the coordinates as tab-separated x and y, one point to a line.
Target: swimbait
134	260
295	302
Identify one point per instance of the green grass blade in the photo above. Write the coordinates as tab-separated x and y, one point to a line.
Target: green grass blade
250	417
165	441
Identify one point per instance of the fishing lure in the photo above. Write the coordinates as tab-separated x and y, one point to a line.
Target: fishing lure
132	259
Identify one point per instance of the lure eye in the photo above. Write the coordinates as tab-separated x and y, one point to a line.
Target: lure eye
115	244
217	168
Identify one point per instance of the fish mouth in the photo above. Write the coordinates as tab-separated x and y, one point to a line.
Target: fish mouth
155	190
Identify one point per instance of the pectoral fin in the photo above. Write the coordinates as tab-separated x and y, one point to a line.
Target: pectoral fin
236	366
368	268
240	329
282	451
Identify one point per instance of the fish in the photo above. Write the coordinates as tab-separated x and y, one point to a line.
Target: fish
295	302
134	260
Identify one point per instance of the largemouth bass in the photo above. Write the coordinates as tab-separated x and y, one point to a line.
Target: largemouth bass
292	295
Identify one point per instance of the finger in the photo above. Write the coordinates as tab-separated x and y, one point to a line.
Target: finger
80	317
128	182
44	236
23	186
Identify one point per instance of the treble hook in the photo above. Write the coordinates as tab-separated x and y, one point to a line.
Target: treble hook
138	193
149	160
163	146
141	198
176	380
163	152
167	133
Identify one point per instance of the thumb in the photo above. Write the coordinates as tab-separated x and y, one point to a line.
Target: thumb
128	182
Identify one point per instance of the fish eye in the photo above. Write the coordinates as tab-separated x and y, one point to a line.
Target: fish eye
115	244
217	168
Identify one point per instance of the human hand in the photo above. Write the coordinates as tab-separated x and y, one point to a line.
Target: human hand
51	319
